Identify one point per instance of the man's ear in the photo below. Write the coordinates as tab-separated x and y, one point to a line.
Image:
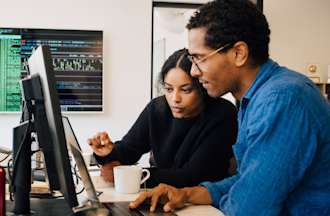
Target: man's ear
240	53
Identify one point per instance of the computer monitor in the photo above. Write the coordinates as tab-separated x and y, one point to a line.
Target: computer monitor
54	147
42	117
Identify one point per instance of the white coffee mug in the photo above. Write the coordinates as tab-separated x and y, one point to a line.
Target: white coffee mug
127	179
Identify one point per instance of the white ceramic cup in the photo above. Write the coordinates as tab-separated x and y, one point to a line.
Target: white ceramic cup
127	179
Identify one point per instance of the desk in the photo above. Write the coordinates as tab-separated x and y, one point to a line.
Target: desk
110	195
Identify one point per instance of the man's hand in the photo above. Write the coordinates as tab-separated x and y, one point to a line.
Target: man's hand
107	171
101	144
174	198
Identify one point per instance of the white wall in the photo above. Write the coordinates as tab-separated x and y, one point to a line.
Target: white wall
127	56
300	33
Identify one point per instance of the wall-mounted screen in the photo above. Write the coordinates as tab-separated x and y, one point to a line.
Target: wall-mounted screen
77	57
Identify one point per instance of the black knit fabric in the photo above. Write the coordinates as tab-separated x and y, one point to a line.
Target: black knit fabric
186	151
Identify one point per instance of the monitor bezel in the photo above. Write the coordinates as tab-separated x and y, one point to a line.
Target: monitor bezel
40	64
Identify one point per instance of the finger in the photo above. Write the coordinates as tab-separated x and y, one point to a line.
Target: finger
89	141
104	142
108	178
97	138
104	135
97	144
169	206
142	197
95	141
104	139
154	201
102	171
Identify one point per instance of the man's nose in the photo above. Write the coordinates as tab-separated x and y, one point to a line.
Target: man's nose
194	71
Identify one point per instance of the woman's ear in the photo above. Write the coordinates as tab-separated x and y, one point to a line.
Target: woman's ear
240	53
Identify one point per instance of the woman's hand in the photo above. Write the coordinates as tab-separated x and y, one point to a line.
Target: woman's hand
101	144
107	170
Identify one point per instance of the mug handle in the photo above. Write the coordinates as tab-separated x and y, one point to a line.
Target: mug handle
146	177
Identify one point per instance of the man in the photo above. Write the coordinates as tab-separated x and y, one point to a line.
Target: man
283	145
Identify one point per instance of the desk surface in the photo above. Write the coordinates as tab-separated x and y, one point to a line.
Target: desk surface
110	195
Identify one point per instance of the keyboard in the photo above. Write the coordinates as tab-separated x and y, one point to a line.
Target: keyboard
122	209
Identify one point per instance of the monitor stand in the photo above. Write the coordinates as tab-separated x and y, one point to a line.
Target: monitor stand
20	184
55	207
42	207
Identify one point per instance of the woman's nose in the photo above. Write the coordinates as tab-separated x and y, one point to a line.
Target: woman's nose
176	97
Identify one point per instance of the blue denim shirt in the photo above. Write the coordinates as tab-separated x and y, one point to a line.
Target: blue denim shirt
282	149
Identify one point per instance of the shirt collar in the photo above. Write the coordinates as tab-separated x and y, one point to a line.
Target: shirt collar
264	73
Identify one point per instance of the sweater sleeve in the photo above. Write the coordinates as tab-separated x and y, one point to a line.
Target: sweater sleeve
209	161
133	145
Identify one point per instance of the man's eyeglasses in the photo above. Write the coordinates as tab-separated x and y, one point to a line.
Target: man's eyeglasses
198	61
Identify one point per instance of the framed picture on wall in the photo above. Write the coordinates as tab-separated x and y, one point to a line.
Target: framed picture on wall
77	57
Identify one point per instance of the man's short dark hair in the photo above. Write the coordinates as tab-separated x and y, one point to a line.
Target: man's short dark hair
229	21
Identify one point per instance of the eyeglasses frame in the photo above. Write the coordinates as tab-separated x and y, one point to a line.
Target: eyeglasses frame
193	61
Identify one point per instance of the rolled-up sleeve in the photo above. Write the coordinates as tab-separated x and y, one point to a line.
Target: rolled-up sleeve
218	189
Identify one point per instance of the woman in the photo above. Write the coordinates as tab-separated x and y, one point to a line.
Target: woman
189	134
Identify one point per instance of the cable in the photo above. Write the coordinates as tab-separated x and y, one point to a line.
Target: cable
18	152
5	158
12	166
14	161
9	168
98	193
78	178
35	151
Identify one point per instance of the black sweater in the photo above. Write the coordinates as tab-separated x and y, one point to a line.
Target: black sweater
186	151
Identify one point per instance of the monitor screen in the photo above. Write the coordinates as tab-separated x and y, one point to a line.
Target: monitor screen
54	145
77	58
